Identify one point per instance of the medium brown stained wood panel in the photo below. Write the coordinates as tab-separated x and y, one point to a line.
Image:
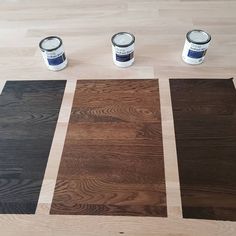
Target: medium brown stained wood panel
205	128
28	116
112	162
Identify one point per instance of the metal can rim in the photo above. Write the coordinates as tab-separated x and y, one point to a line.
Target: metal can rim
52	49
199	43
123	45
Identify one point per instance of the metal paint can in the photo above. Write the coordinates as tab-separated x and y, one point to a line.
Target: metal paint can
53	53
196	45
123	49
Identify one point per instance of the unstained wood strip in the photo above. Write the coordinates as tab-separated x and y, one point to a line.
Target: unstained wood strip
2	84
174	207
49	182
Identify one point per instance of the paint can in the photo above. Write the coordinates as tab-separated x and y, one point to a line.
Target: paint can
196	45
123	49
53	53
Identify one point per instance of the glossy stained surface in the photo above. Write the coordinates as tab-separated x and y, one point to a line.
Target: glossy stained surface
112	163
28	117
205	129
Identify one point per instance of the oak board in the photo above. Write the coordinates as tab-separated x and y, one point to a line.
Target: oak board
205	128
28	117
112	163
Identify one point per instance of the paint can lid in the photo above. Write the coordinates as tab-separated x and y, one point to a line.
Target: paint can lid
122	39
198	37
50	43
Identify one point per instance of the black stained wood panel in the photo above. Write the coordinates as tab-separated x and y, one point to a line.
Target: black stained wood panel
205	128
112	162
28	116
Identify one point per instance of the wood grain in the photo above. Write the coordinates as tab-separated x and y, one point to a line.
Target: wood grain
86	28
112	162
205	127
28	116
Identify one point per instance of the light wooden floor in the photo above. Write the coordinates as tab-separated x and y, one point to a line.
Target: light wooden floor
86	28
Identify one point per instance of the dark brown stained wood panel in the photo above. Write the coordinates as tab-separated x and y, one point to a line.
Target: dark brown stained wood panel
28	116
112	162
205	128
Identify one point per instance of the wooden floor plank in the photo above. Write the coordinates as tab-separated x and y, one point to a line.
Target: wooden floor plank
112	162
28	116
205	127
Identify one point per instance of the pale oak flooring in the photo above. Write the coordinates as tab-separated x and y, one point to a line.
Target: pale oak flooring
86	28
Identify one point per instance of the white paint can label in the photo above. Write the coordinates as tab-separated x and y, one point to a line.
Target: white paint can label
196	45
53	53
123	49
